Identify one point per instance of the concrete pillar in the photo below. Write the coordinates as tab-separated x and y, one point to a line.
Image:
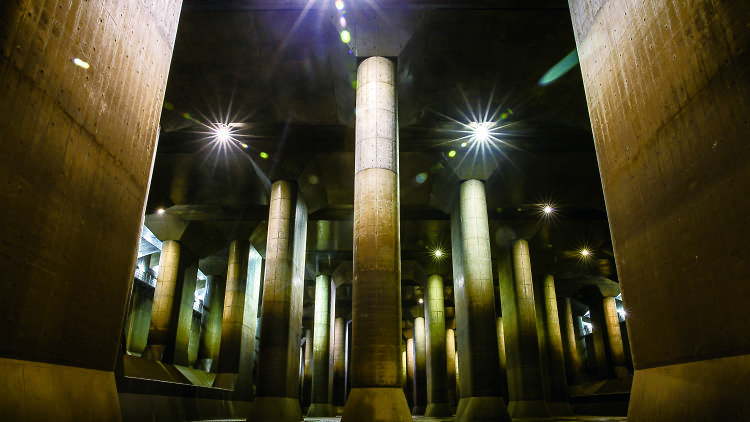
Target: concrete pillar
410	390
320	400
239	320
420	368
437	393
570	348
503	359
403	367
525	387
376	301
599	334
450	354
213	308
172	315
557	400
481	395
139	314
339	362
614	336
281	313
307	362
671	138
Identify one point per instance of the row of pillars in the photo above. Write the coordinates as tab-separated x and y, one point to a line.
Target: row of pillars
485	378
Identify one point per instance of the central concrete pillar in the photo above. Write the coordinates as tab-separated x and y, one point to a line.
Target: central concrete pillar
525	386
420	368
307	364
239	320
481	395
376	315
557	387
570	349
208	353
321	401
450	355
339	361
281	313
503	358
614	336
437	393
172	315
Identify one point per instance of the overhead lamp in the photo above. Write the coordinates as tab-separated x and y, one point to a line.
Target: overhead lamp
222	132
438	253
548	209
482	132
160	211
421	301
585	252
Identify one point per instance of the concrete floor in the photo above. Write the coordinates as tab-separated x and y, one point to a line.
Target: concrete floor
423	419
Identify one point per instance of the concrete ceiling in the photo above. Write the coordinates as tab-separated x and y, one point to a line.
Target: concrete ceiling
279	70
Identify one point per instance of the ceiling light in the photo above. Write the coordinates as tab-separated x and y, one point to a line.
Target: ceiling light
421	301
438	253
80	63
481	131
222	132
339	5
160	211
585	252
548	209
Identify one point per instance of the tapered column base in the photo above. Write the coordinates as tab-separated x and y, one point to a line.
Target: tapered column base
275	409
482	409
321	410
438	410
376	405
529	409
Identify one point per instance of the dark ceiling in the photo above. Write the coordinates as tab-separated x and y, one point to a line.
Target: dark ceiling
279	72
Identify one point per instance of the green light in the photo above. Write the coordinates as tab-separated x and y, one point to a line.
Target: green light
560	68
263	155
168	106
187	116
451	153
346	37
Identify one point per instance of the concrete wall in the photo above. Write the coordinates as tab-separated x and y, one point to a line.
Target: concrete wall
667	84
77	151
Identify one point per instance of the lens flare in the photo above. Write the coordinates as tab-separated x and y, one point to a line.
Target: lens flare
346	37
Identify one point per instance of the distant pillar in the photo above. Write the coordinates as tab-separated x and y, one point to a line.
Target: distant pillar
320	401
481	395
281	314
614	336
307	362
208	353
410	391
376	312
599	335
339	362
172	315
550	324
239	320
570	348
525	387
450	354
420	368
503	359
437	393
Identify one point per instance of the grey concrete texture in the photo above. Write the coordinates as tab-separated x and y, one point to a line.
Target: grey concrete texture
339	362
213	313
435	351
320	396
503	359
682	145
450	360
420	367
138	320
480	395
556	388
570	347
281	315
525	383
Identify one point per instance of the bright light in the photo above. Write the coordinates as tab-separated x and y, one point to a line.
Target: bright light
160	211
80	63
451	153
245	146
585	252
463	144
223	134
339	5
438	253
346	37
421	301
263	155
342	22
482	132
548	209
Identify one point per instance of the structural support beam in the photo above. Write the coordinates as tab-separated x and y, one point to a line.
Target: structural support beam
503	358
557	388
320	400
410	391
213	310
481	395
172	315
450	354
420	368
339	368
376	322
570	347
614	336
281	313
525	386
437	393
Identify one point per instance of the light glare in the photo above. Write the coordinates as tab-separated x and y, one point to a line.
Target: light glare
438	253
585	252
80	63
548	209
339	5
421	301
346	37
160	211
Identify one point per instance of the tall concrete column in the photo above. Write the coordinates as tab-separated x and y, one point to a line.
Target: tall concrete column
525	386
376	322
403	367
450	354
281	312
570	348
557	387
208	354
172	315
599	334
420	368
481	395
339	362
320	400
503	358
437	393
307	364
410	390
614	336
